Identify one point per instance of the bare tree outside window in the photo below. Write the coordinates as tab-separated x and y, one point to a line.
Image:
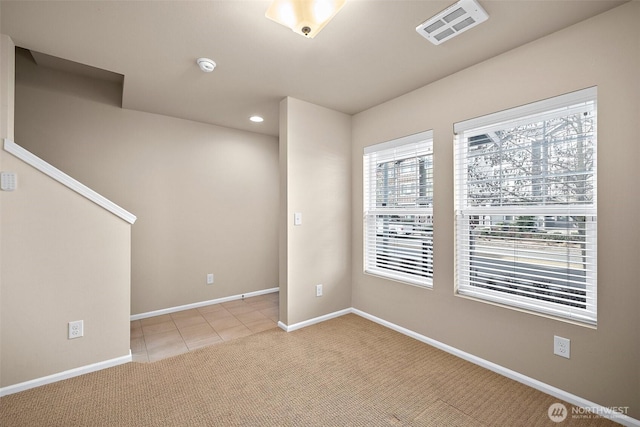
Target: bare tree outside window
527	206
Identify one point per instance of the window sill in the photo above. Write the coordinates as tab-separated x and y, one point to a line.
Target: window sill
531	312
404	281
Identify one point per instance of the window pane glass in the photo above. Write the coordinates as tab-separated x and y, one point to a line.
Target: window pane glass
398	193
405	183
405	244
541	257
546	162
526	209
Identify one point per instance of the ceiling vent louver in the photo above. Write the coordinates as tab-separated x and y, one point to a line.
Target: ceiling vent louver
452	21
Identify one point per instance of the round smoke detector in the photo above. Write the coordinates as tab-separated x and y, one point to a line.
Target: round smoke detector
206	64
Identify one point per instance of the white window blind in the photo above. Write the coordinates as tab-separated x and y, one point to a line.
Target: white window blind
398	209
526	207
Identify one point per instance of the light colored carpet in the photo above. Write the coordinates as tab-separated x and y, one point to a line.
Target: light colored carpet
343	372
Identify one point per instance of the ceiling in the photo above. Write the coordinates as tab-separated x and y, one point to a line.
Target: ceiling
368	54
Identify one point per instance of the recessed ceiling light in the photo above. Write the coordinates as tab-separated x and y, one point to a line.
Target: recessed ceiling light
207	65
256	119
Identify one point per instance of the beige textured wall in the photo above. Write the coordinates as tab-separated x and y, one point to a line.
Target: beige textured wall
7	90
7	86
64	258
206	197
605	362
315	164
283	213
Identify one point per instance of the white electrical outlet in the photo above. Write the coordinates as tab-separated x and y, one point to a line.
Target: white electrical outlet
76	329
319	290
562	346
210	279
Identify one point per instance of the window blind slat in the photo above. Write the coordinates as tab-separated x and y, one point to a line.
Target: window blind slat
577	97
406	141
526	205
398	209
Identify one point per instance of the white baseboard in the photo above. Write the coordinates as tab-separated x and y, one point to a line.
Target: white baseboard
4	391
315	320
523	379
202	304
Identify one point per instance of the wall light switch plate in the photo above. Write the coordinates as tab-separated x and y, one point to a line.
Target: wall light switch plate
8	181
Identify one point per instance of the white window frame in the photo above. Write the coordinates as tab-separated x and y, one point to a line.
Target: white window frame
408	257
467	212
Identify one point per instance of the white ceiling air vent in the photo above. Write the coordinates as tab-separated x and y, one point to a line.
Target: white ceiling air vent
452	21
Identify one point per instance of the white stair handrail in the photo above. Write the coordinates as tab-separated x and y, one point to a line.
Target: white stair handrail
66	180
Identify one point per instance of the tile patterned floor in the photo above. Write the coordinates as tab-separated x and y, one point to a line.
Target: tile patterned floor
156	338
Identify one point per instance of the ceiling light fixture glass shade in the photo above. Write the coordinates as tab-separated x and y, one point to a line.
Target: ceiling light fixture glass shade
305	17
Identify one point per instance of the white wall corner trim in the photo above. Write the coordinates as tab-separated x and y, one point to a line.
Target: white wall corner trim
523	379
4	391
201	304
319	319
63	178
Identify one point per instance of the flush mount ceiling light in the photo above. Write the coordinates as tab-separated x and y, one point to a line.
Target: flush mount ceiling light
206	64
256	119
452	21
305	17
